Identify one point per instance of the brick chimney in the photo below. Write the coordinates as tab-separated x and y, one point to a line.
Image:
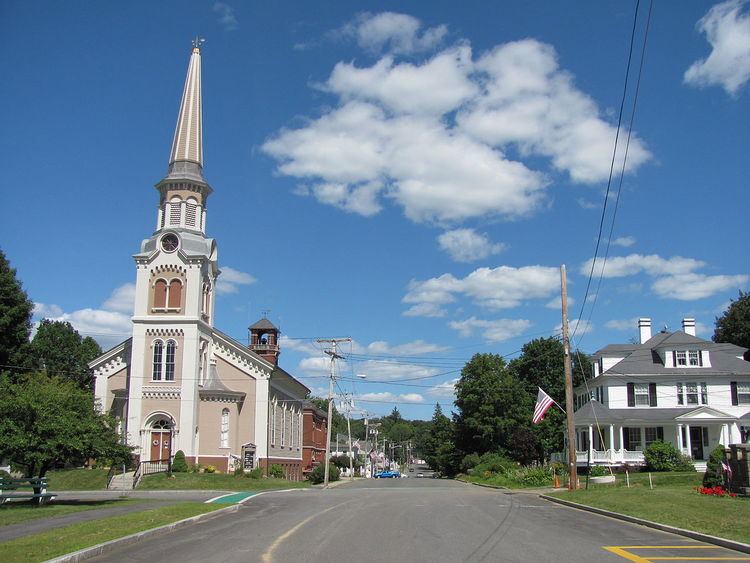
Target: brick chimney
688	326
644	328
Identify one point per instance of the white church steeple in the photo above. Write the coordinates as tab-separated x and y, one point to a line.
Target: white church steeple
183	192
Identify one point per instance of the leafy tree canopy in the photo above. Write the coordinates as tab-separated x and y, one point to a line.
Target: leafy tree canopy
47	420
15	315
733	325
59	350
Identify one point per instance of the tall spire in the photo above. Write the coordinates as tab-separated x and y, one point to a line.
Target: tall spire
186	157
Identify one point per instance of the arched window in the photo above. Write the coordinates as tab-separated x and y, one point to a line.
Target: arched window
160	294
273	423
224	428
190	212
157	360
283	425
175	211
175	294
169	361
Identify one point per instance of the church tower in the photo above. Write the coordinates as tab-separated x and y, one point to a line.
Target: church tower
176	271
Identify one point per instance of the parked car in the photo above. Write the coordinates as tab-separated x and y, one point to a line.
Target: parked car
420	474
387	474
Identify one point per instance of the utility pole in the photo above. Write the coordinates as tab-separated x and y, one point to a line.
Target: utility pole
572	462
349	430
334	357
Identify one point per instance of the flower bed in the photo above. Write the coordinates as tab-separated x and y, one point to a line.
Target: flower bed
717	491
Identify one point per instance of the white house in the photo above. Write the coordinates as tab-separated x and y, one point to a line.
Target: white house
672	386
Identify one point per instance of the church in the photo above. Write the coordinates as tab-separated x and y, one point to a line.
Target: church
178	383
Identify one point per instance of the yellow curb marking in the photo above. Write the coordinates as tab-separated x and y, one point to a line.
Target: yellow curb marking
621	550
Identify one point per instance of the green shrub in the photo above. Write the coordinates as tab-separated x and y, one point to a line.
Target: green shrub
685	463
238	471
469	462
196	468
598	471
494	463
179	465
210	469
276	471
535	476
256	473
317	475
662	456
713	475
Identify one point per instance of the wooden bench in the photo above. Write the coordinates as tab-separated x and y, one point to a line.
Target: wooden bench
10	489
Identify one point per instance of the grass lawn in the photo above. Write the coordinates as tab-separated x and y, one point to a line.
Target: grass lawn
672	501
77	480
53	543
215	481
15	512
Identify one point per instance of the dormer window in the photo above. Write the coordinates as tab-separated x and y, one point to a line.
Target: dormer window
687	358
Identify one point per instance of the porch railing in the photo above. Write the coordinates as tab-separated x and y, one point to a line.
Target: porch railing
149	468
608	456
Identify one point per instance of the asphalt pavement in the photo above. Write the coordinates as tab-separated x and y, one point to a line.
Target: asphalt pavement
411	520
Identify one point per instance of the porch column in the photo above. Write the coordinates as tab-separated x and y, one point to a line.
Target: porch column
611	442
687	438
622	443
680	445
591	441
724	437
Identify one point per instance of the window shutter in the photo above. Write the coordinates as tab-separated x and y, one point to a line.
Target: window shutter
631	395
735	398
660	433
626	435
705	435
652	394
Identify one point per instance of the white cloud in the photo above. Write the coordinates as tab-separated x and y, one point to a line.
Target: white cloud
622	324
530	102
393	33
689	287
108	325
230	278
727	29
122	299
624	241
497	330
431	136
388	397
466	245
435	87
445	389
494	288
226	16
556	303
430	310
653	264
414	348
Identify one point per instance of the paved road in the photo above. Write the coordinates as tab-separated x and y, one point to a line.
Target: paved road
407	520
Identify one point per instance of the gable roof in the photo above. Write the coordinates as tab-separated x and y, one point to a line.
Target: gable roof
644	359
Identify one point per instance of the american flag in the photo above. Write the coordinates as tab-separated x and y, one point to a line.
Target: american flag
543	403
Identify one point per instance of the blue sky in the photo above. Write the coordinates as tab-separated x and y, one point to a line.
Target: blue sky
408	174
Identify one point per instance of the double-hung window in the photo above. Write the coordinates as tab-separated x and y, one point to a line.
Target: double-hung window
743	393
641	394
688	394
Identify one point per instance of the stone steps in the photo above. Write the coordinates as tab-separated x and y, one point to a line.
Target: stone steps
122	482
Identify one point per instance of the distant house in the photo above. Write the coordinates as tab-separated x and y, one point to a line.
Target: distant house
672	386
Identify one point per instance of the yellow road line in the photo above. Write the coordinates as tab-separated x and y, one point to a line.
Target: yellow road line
621	550
268	555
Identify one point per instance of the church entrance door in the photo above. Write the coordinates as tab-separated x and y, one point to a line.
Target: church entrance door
159	445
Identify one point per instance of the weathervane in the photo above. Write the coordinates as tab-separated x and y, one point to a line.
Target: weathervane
197	42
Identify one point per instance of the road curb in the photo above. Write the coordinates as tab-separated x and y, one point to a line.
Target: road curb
723	542
94	550
485	485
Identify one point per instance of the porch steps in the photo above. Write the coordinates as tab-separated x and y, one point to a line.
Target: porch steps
700	466
122	482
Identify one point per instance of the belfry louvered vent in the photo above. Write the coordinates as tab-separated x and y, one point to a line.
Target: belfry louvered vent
190	215
174	213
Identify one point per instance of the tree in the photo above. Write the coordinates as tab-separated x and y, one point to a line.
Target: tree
439	448
15	315
338	420
59	350
733	325
45	421
491	404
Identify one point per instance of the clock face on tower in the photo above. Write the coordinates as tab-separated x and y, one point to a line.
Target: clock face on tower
170	242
